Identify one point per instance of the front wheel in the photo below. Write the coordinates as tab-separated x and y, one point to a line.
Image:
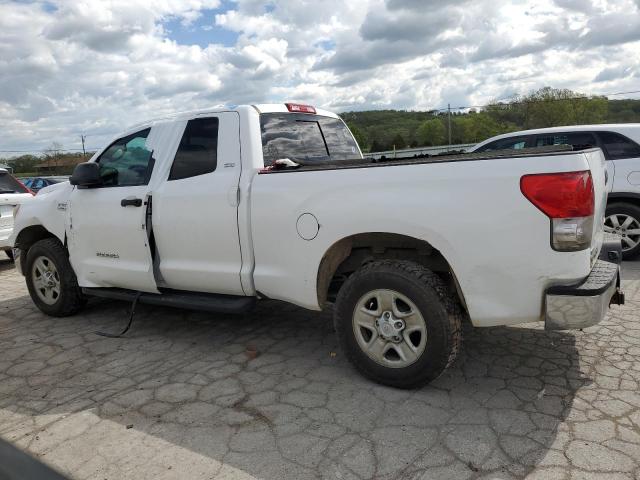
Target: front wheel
51	281
398	323
624	220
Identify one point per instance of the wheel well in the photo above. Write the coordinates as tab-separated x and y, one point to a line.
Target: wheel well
27	237
633	200
349	254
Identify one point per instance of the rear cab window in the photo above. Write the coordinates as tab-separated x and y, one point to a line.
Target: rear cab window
306	139
510	143
8	184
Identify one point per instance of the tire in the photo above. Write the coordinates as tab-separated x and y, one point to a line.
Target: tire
422	356
48	264
9	254
617	214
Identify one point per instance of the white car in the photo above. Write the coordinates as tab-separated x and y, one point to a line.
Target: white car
12	192
620	144
217	209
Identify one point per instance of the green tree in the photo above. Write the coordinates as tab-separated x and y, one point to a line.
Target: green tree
377	147
359	135
23	163
431	132
398	142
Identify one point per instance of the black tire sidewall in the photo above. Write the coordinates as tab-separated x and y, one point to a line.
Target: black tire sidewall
632	211
434	358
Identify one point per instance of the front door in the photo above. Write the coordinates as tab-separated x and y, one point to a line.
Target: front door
107	234
195	211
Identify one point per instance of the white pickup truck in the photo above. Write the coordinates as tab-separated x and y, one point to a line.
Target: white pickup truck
217	209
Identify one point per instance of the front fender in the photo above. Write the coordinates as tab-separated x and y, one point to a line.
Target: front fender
48	209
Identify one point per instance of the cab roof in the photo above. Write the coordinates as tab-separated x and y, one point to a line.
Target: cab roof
630	129
259	107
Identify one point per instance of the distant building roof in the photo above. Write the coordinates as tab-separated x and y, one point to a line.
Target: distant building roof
61	162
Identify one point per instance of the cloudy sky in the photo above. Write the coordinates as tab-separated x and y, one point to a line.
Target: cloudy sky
72	67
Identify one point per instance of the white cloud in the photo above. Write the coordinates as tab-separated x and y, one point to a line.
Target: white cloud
69	67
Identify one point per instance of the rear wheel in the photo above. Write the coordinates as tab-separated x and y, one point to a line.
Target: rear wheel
51	281
624	219
9	254
398	323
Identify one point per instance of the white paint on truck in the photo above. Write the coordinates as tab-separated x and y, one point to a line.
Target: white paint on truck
193	207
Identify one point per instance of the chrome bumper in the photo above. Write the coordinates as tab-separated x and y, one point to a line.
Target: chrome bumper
585	304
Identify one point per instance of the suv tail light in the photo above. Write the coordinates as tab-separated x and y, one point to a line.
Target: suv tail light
568	199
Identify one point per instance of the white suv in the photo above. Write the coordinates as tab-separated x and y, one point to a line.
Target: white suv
621	146
12	193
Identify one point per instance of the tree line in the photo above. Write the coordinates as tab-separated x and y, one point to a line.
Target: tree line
380	130
53	161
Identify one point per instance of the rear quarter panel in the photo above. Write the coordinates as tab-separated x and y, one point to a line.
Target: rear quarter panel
473	212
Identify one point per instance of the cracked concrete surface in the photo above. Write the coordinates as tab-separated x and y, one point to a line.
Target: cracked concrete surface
179	398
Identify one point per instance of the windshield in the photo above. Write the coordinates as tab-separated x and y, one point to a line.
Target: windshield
306	139
8	184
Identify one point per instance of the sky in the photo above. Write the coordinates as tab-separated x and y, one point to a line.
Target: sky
93	67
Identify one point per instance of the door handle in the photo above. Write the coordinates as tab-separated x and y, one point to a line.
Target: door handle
130	201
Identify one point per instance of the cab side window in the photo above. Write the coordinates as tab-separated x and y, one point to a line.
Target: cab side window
127	161
618	146
511	143
197	153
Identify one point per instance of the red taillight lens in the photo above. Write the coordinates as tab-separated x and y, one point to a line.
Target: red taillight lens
299	108
560	195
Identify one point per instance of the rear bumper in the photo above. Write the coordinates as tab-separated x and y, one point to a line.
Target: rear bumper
585	304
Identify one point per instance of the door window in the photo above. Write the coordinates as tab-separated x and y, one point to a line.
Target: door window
197	153
618	146
127	161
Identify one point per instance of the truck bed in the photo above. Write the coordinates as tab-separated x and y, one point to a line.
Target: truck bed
426	159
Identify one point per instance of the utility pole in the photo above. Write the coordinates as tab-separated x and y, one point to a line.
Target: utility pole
82	137
449	120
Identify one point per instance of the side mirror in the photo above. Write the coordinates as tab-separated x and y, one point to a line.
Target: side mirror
86	175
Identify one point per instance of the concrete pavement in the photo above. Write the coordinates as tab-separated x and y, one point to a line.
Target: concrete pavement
179	398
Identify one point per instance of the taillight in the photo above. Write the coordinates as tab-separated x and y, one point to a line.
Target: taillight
568	199
299	108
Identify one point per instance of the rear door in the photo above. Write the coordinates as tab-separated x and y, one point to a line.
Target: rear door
108	235
195	211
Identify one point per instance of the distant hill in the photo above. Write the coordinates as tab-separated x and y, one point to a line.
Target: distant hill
378	130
